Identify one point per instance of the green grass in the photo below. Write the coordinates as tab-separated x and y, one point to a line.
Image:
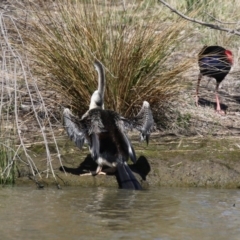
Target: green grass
7	165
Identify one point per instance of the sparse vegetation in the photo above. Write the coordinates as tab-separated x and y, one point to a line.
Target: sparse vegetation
7	164
184	120
17	84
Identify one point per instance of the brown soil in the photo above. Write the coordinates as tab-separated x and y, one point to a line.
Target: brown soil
174	161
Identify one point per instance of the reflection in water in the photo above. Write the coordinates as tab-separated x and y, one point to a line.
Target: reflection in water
109	213
122	209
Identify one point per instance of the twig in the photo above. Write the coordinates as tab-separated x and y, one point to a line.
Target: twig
42	128
39	185
124	5
217	20
17	66
210	25
16	57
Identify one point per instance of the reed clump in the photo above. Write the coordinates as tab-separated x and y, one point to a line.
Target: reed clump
7	163
136	49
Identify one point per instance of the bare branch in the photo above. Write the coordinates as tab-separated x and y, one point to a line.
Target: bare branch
213	26
219	21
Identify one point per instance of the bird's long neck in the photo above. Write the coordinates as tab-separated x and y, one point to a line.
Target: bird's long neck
97	99
101	78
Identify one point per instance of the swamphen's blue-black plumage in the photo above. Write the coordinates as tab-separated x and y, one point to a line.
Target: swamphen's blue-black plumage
215	62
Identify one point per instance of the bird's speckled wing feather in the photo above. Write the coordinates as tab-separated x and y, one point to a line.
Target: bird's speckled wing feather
143	121
74	128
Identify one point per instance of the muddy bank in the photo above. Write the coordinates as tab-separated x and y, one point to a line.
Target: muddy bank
194	162
182	162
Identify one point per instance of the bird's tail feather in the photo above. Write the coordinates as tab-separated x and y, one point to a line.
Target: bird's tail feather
126	178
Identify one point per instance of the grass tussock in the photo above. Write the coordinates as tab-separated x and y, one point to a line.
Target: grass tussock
7	164
137	52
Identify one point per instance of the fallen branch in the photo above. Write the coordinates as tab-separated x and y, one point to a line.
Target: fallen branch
210	25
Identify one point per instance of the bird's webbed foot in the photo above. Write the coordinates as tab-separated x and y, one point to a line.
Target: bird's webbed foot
94	173
221	112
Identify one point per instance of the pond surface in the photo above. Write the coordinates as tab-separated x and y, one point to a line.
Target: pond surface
109	213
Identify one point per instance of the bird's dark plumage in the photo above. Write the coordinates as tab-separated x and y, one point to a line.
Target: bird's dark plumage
105	132
215	62
126	178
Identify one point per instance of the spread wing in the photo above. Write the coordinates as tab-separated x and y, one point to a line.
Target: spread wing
74	128
80	130
143	122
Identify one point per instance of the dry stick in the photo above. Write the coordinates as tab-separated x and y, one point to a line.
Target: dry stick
124	5
3	57
45	137
50	125
219	21
42	128
8	167
3	30
31	162
45	110
214	26
18	127
2	26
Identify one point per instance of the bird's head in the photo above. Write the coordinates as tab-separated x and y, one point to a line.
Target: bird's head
229	56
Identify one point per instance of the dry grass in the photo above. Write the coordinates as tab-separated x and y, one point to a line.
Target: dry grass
222	13
137	53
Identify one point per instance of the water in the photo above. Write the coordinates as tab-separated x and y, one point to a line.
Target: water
109	213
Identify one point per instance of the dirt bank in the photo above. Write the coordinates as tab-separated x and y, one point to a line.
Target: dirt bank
183	162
